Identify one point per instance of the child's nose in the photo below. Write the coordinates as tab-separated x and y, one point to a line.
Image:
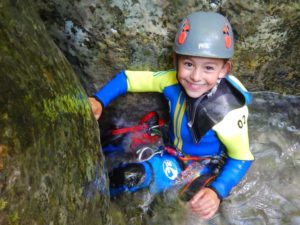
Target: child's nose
196	75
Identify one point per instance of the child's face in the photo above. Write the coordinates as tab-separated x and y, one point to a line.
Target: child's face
198	75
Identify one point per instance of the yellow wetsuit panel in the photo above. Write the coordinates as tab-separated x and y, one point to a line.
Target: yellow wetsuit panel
233	133
147	81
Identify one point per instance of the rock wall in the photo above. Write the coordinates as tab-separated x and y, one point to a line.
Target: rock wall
50	165
101	37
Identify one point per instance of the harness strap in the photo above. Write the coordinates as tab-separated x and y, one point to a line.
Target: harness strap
126	130
183	157
149	122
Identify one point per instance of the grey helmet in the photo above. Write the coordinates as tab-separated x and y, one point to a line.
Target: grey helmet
205	34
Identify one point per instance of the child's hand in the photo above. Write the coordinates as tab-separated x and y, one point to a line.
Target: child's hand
96	107
205	203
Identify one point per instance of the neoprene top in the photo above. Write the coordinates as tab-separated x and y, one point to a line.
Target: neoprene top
221	119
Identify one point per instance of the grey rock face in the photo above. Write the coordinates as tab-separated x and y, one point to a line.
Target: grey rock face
49	141
101	37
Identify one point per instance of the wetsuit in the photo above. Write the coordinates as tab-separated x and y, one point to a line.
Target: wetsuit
200	127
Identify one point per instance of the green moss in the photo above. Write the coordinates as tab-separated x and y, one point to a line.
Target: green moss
14	218
46	123
3	204
61	104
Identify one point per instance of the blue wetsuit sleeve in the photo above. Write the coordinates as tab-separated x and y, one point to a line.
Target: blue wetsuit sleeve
231	174
113	89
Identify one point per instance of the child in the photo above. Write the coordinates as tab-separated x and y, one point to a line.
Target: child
208	107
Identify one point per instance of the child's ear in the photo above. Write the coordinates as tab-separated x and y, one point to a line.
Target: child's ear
225	70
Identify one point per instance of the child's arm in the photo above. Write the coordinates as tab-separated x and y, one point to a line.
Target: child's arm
232	173
233	132
113	89
110	91
207	200
205	203
96	107
131	81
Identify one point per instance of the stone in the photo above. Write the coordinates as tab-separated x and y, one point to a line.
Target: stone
51	166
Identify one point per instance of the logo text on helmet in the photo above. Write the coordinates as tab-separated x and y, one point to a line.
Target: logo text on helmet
184	32
203	46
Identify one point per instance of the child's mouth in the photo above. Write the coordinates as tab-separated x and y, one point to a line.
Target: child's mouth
194	86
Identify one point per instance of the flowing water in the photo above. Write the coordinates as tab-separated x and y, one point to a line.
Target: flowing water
270	192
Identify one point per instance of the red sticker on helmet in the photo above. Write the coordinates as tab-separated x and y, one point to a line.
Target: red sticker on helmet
184	32
181	38
227	37
227	41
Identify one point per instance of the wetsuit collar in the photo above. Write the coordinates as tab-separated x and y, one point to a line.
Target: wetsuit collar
193	103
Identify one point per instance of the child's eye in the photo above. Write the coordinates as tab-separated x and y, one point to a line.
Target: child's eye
188	64
209	68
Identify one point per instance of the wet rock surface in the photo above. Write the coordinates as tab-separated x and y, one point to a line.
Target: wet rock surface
50	164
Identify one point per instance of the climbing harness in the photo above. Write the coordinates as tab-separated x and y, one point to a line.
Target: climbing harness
156	165
147	132
147	152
